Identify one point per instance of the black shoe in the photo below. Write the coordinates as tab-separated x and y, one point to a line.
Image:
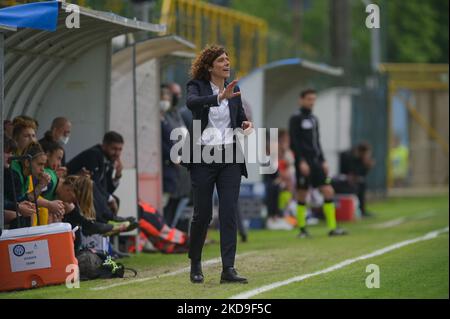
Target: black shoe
337	232
120	219
90	228
244	238
196	272
230	275
303	233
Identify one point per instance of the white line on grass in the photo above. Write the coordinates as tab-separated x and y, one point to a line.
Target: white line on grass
340	265
401	220
390	223
207	263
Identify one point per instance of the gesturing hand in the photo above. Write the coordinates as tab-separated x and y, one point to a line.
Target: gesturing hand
228	93
247	126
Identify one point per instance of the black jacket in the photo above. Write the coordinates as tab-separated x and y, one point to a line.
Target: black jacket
11	179
170	170
350	164
200	98
95	161
304	136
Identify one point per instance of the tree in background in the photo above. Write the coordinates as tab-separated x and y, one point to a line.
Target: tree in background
417	31
412	31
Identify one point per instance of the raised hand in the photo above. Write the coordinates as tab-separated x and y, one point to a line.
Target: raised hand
43	180
228	93
119	167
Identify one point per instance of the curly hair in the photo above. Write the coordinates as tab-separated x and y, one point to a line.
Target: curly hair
21	123
200	66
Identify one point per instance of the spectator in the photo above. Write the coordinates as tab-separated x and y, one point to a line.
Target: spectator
59	133
179	198
26	209
355	164
77	194
103	163
8	128
170	169
399	158
177	94
279	185
24	132
33	180
55	155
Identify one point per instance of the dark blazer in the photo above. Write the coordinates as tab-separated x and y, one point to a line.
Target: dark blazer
200	98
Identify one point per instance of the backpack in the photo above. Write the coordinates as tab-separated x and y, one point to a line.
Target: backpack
99	266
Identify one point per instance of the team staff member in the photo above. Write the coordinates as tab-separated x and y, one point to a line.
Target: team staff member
310	164
103	162
217	104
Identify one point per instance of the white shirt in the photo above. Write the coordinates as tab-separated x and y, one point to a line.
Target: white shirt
219	119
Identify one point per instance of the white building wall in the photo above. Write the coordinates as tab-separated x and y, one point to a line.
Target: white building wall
75	95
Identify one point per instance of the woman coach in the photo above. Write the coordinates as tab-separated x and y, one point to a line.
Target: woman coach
218	105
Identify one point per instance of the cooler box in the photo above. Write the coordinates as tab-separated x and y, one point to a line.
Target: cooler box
346	207
36	256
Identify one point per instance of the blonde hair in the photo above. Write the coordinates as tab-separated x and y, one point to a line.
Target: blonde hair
84	193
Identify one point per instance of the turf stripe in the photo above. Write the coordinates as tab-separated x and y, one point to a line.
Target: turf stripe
206	263
340	265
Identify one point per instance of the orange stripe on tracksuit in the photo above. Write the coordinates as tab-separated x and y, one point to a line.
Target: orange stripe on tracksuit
147	207
163	237
149	228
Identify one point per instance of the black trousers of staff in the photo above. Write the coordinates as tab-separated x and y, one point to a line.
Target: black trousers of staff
226	177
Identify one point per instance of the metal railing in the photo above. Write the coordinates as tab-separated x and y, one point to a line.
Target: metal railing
244	36
416	78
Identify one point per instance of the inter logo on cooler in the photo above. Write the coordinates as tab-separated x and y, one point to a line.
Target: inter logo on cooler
19	250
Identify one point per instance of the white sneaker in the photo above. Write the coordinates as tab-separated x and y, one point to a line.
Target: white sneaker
278	224
149	248
312	221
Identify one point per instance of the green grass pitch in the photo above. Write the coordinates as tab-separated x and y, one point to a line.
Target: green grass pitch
419	270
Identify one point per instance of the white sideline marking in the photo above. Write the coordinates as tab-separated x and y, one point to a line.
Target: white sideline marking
401	220
340	265
207	263
390	223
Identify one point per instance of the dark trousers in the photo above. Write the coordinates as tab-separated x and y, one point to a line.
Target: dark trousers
272	195
170	210
227	178
361	193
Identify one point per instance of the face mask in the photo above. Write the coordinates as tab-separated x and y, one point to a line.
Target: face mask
164	105
64	140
